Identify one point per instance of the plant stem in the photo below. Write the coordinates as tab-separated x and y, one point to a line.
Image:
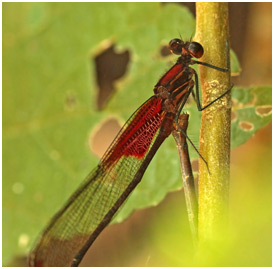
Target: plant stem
212	32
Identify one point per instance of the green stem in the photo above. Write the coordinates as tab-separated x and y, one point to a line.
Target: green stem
213	33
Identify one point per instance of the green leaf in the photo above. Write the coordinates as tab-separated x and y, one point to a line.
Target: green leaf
251	111
235	64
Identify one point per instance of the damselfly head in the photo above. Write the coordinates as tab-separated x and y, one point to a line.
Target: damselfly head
175	46
179	47
195	49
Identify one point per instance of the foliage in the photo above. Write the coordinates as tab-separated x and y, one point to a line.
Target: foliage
49	95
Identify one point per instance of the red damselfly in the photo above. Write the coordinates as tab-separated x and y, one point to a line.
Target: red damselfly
90	209
180	136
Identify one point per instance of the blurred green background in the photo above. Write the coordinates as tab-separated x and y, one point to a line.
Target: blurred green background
56	102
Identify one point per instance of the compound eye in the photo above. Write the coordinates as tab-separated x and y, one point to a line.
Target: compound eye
195	49
175	46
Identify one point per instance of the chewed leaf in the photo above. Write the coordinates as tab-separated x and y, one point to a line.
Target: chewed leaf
251	110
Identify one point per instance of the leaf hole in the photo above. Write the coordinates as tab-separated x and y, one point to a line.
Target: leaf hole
264	111
234	116
234	102
246	126
110	66
102	136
